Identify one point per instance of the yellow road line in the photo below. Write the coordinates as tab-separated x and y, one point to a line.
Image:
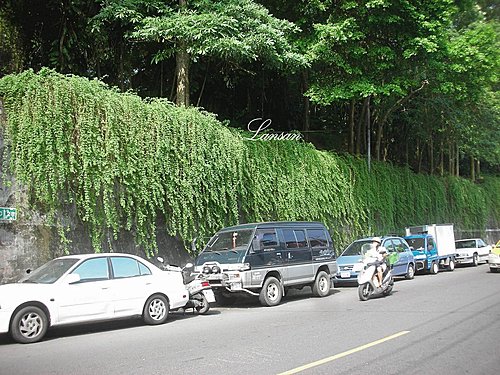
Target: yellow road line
344	354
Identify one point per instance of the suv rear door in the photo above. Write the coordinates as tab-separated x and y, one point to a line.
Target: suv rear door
298	258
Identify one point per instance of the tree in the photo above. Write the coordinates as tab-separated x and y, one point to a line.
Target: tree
372	51
239	32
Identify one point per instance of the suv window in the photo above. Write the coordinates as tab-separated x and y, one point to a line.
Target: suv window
93	270
128	267
294	238
317	237
480	243
268	240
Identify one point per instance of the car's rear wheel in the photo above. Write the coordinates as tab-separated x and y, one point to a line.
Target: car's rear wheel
494	270
321	286
271	292
410	274
156	310
29	325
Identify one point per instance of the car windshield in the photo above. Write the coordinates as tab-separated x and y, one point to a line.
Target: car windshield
465	244
416	243
357	248
50	272
226	247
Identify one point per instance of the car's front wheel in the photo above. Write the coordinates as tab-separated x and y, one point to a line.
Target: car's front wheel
156	310
410	274
271	292
29	325
475	260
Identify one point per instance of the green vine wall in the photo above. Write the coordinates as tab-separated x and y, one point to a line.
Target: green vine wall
121	162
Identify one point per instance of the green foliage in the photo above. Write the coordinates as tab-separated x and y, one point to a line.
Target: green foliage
123	162
233	30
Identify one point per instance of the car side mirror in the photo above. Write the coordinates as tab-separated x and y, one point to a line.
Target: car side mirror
412	248
72	278
256	246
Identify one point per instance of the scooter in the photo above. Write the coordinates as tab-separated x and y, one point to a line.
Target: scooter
366	280
200	292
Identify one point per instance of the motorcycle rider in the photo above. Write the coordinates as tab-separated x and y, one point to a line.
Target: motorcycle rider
378	253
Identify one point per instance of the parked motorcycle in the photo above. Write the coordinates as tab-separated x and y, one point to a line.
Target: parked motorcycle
200	292
366	279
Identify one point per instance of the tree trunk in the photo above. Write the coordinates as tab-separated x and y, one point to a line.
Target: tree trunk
378	143
307	106
441	159
368	134
457	162
359	138
351	126
431	156
182	75
472	169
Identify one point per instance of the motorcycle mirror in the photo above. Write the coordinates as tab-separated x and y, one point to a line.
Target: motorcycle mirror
160	259
188	265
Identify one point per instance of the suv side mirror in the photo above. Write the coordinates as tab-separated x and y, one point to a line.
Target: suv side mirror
256	246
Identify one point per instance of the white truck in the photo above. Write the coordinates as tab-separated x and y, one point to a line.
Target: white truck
433	246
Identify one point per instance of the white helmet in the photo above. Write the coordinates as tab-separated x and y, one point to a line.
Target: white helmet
377	239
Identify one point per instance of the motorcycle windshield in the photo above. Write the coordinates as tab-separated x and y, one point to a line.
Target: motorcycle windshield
226	247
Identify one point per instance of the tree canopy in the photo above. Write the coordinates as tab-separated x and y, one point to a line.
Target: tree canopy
414	83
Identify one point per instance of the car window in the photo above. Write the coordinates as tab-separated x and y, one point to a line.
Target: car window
317	237
267	238
127	267
389	245
399	246
93	270
294	238
481	243
464	244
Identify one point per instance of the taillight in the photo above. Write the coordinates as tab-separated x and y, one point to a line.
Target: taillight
205	283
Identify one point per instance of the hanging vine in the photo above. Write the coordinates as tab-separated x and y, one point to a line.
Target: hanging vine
121	162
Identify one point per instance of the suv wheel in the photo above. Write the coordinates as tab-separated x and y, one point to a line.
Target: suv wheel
321	286
271	292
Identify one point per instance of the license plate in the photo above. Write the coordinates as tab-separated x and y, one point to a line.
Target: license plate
209	295
345	274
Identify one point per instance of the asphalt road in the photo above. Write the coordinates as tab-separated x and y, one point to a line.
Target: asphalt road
447	323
